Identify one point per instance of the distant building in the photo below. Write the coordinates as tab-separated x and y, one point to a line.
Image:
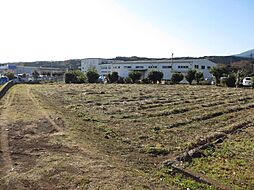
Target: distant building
28	70
7	68
167	66
40	70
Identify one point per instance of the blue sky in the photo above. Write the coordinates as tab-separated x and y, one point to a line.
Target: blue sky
66	29
217	26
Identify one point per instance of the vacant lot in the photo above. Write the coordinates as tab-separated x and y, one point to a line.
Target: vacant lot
119	136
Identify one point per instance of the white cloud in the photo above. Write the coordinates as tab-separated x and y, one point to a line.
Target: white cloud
63	29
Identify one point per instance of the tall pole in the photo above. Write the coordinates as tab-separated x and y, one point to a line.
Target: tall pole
172	60
51	74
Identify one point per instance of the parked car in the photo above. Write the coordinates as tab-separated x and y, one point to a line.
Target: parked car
247	81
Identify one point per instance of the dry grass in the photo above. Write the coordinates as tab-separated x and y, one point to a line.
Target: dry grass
142	125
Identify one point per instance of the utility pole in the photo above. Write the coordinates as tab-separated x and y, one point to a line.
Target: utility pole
172	60
51	74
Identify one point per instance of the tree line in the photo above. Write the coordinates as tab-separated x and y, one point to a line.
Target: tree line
92	76
221	77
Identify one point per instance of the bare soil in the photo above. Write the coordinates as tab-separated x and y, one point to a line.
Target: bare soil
57	136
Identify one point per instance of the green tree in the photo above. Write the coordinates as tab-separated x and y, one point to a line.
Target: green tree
190	75
92	76
135	76
176	78
155	76
113	77
74	76
231	80
199	77
217	72
35	74
10	75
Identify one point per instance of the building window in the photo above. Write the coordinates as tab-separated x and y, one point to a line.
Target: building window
208	67
139	67
151	67
183	67
166	67
202	67
116	67
127	67
196	67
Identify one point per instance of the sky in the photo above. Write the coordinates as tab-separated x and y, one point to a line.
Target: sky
33	30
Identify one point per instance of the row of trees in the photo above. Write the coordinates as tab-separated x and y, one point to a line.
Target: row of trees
222	77
134	77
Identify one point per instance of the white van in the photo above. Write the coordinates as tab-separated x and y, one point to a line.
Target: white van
247	81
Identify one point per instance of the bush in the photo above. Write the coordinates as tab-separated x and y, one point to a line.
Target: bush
199	77
113	77
231	80
190	75
253	81
135	76
92	76
74	77
145	81
128	80
176	78
155	76
35	74
120	80
10	75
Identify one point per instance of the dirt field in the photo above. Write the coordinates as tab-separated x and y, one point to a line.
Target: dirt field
118	137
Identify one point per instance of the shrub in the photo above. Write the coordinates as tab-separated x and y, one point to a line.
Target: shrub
10	75
75	76
135	76
145	81
190	75
253	81
92	76
176	78
155	76
128	80
199	77
231	80
120	80
113	77
35	74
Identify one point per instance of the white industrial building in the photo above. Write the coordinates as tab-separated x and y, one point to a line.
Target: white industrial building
167	66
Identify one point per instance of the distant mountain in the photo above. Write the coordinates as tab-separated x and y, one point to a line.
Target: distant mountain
247	54
70	64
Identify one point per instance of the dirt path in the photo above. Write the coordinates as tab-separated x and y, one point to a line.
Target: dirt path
37	152
4	122
43	111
